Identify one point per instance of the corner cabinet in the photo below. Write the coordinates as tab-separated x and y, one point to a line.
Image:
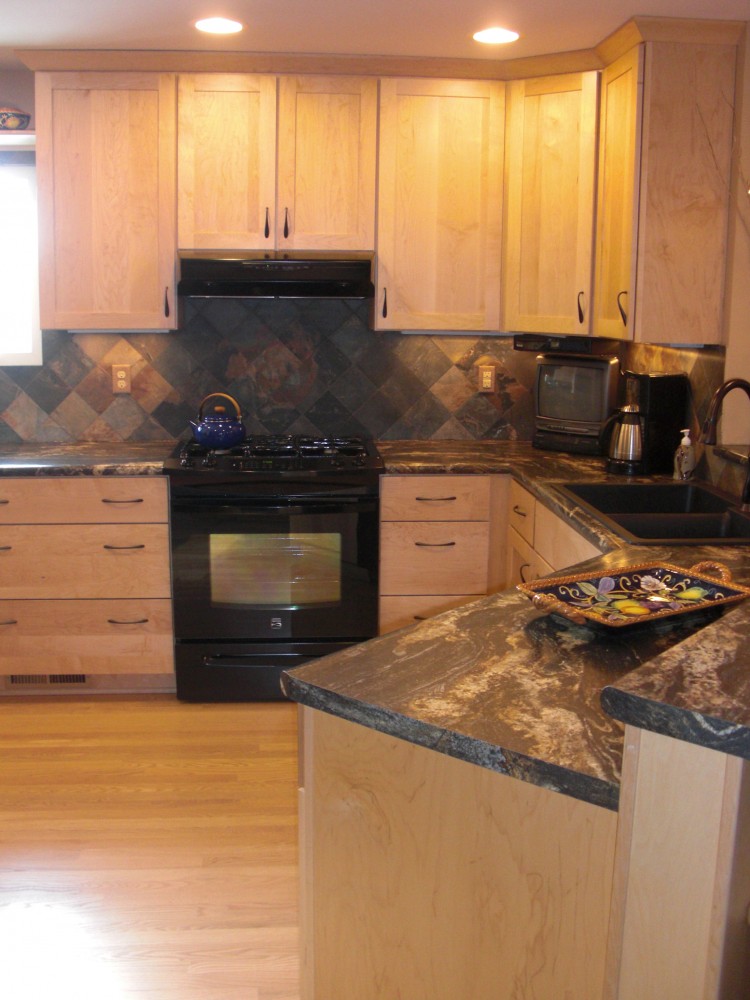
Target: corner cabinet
550	189
663	194
245	181
106	178
440	190
85	576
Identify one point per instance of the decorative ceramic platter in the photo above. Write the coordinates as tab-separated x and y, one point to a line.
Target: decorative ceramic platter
636	594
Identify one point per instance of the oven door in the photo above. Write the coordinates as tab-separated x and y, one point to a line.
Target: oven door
248	571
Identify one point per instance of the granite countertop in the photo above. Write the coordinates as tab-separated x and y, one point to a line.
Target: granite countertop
100	458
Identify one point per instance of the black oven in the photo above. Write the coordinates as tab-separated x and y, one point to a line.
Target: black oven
272	566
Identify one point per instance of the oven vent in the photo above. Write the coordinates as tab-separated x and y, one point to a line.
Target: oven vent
39	679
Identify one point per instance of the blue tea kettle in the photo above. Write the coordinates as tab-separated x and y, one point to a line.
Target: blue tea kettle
217	430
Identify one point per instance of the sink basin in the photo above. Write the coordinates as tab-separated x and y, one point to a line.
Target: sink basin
654	513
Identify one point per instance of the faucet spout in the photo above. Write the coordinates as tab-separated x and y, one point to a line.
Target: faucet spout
708	434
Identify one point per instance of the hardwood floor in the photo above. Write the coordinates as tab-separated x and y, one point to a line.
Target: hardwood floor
148	850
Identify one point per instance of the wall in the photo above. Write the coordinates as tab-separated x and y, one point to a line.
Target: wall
17	90
294	366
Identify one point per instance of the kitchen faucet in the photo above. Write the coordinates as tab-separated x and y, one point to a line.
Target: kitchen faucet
708	435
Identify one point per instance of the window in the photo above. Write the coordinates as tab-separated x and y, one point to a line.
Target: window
20	336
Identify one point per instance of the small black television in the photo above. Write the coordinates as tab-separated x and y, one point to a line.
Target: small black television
574	396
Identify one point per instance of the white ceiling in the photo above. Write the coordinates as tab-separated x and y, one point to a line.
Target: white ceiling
376	27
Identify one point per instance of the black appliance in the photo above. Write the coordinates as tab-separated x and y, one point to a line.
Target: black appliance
661	400
277	274
274	559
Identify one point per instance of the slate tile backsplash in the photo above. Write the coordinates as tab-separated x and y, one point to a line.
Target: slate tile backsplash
295	366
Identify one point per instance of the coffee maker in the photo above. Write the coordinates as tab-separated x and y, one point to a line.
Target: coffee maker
646	432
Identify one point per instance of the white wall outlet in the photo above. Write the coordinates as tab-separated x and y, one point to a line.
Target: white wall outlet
121	378
487	378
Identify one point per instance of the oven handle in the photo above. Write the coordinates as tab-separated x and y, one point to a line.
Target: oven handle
247	507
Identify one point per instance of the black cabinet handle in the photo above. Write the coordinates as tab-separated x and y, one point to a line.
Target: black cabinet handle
385	302
434	545
286	223
580	308
166	301
623	314
5	548
4	501
434	499
267	227
520	511
122	547
521	574
136	621
134	500
10	621
420	618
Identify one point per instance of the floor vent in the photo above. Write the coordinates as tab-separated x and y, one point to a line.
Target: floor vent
39	679
67	678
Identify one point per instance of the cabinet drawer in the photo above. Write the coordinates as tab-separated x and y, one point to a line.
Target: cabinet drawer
81	500
400	611
524	564
435	498
438	557
90	560
86	637
522	512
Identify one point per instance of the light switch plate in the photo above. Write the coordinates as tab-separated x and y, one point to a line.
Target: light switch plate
486	379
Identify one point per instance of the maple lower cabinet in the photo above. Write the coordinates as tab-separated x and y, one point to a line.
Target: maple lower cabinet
550	168
250	181
440	190
665	147
441	543
106	179
85	585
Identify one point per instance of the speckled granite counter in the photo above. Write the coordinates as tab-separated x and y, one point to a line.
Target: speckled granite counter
85	459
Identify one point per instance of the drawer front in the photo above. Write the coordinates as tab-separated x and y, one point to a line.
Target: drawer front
435	498
524	564
89	560
86	637
83	500
403	610
522	511
438	557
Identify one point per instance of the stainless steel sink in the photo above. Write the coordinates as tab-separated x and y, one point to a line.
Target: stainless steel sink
654	513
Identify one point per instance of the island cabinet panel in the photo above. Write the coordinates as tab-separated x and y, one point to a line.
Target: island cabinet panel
276	163
441	543
106	175
439	204
431	878
550	169
85	580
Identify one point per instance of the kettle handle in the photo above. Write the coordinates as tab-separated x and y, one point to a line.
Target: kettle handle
606	432
220	395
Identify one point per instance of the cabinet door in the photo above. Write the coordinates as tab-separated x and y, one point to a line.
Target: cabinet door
549	170
524	564
619	165
439	205
226	161
326	163
433	557
106	174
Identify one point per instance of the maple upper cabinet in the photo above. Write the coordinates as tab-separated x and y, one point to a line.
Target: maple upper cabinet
247	183
106	178
550	161
663	192
440	187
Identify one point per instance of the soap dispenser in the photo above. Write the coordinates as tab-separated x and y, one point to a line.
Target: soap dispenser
684	457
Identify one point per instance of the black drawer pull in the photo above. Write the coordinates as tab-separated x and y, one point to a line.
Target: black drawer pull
136	621
520	511
521	572
420	618
434	545
5	548
434	499
124	546
4	501
134	500
10	621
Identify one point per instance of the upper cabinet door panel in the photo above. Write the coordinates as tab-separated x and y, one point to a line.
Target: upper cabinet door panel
440	204
326	163
226	161
106	171
550	170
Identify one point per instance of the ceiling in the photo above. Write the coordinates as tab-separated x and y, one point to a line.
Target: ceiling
354	27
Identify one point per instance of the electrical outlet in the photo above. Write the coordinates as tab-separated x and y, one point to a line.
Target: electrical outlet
487	378
121	378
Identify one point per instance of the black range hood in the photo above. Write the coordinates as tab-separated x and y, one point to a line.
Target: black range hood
283	274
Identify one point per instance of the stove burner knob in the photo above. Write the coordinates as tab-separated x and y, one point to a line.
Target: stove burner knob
208	462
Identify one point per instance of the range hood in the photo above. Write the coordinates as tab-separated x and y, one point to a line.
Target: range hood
283	274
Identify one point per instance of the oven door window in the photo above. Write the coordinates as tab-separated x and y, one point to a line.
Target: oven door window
275	569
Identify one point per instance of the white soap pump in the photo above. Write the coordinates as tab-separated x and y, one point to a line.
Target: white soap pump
684	457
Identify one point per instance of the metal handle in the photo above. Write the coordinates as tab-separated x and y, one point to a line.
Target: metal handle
166	301
420	618
434	545
267	227
136	621
286	223
4	501
580	308
10	621
385	302
134	500
122	547
521	568
5	548
520	511
623	314
434	499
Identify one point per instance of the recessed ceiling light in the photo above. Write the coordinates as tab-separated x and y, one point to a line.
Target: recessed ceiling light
496	36
218	26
